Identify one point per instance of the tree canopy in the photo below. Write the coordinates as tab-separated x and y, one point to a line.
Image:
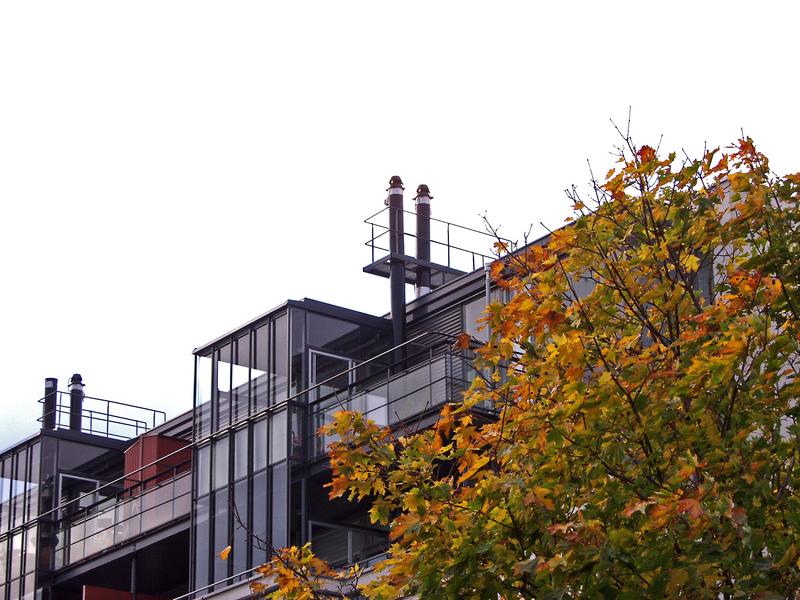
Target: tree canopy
644	374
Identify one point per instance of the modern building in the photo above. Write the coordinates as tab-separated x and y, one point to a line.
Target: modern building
112	501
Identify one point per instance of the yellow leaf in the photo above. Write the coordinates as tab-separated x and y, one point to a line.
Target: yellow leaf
677	578
539	496
691	262
476	466
224	554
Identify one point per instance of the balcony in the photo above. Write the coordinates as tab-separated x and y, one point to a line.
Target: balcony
122	518
437	375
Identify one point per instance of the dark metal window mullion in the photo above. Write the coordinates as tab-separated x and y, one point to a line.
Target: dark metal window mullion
249	512
231	486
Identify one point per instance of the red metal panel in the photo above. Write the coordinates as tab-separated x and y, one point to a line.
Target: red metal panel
133	460
150	449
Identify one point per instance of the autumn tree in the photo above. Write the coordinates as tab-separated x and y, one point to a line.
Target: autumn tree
644	375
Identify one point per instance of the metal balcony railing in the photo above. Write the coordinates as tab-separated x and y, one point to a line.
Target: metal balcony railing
106	418
453	248
399	397
121	518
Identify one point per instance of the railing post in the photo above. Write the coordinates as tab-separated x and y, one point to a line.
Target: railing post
448	244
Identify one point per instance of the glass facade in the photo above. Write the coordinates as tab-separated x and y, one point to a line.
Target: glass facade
56	509
19	504
252	430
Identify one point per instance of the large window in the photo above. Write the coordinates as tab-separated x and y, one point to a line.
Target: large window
19	505
244	493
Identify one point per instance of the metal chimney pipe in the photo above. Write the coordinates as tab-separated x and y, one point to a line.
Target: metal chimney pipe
397	272
76	396
423	205
50	403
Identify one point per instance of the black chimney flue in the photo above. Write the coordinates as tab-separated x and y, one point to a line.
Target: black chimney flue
50	403
397	272
423	205
76	396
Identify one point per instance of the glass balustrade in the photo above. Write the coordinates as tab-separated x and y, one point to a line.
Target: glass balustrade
400	397
124	520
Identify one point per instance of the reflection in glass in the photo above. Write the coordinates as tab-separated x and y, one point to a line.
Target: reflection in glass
259	526
298	422
29	587
277	434
203	396
3	548
280	505
16	556
19	486
280	364
33	482
240	525
223	399
261	370
5	493
201	539
203	469
220	462
241	454
333	334
297	352
260	444
221	514
240	378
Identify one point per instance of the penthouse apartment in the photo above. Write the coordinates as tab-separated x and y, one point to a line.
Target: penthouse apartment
112	501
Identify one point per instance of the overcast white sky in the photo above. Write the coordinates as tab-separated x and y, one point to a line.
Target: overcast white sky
170	169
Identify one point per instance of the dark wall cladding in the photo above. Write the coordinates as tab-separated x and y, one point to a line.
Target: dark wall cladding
448	321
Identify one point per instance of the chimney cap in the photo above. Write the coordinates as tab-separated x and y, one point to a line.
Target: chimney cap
423	190
395	181
76	379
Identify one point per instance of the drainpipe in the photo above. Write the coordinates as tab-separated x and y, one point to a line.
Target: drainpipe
50	403
397	273
423	205
76	396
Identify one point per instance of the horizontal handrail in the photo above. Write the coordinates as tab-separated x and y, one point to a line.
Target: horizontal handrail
370	244
369	221
136	489
141	520
101	420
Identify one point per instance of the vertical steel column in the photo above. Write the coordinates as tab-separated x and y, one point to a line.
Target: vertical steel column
133	576
423	205
76	396
397	273
50	403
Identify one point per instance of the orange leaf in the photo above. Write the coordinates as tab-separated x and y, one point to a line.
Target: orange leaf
224	554
462	341
692	507
646	153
